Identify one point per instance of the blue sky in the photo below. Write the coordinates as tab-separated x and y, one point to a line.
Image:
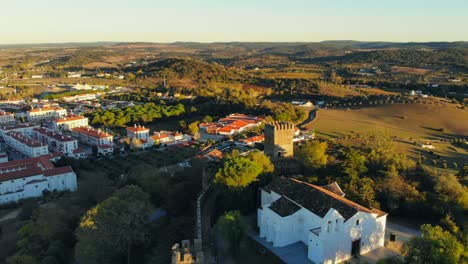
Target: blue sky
38	21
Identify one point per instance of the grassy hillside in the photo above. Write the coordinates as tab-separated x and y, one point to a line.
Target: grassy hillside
452	57
404	121
408	123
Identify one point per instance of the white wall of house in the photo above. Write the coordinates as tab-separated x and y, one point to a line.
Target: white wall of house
62	182
333	244
24	148
69	125
33	186
45	114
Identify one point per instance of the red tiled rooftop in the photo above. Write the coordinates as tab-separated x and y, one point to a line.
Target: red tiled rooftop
25	140
104	146
27	170
137	128
254	139
4	113
70	118
17	126
57	136
92	132
58	171
46	109
79	150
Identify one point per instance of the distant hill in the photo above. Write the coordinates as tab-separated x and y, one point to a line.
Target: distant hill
59	45
451	57
190	69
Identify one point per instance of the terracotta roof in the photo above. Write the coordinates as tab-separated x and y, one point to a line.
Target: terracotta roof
46	109
3	113
254	139
18	126
137	128
214	154
55	135
78	150
316	199
91	132
104	146
160	136
58	171
70	118
21	171
33	143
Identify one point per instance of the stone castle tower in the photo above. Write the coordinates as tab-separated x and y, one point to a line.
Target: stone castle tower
279	140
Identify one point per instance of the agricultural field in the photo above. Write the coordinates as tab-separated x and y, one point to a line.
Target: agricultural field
409	124
403	121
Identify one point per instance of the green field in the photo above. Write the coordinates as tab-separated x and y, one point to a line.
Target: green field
401	120
409	123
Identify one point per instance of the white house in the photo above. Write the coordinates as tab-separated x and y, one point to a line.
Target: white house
28	146
56	141
167	138
30	177
45	113
3	157
137	131
25	129
91	136
69	122
6	117
74	75
332	227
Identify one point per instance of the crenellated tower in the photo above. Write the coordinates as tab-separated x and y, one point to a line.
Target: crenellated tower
279	139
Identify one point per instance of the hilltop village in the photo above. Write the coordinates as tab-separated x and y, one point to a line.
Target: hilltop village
347	152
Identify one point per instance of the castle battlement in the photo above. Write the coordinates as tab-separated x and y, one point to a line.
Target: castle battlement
279	139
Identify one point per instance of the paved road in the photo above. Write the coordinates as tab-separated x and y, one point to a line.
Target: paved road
310	118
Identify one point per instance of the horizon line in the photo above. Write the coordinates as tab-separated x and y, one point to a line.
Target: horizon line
232	41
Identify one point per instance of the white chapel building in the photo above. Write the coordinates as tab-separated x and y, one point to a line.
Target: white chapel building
332	227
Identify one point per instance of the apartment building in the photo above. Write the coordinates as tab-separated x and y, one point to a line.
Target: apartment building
28	146
69	122
56	141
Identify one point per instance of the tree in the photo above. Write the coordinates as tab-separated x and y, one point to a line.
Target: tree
362	191
263	160
434	246
182	124
238	172
314	154
152	182
112	227
131	77
395	191
231	228
354	164
193	127
207	119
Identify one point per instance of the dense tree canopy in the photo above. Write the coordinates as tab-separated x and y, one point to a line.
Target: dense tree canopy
135	114
434	246
232	228
314	154
238	172
109	230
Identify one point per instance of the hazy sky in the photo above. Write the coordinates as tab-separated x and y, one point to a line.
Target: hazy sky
36	21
